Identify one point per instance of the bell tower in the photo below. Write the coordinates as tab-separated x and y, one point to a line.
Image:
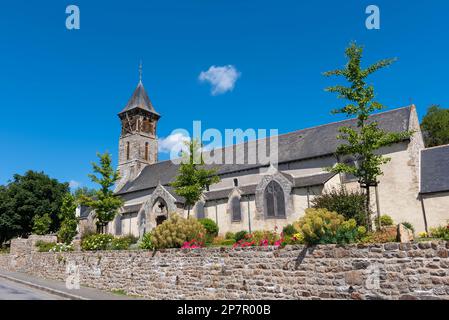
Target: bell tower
138	145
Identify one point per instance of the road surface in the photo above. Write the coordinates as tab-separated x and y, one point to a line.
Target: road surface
10	290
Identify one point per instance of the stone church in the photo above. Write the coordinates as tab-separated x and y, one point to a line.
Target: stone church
414	187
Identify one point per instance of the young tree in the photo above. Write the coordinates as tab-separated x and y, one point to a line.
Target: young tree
193	178
435	126
41	224
362	142
105	202
69	221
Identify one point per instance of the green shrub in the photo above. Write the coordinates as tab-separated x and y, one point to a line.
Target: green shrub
41	224
210	226
172	233
96	242
320	226
120	243
240	235
408	225
386	220
146	243
61	247
44	246
350	204
259	236
230	235
67	231
441	232
227	242
211	229
289	230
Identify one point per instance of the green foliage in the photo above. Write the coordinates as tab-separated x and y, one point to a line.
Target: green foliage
193	178
435	126
362	142
386	220
441	232
289	230
41	224
145	242
61	247
105	202
172	233
82	192
120	243
210	226
227	242
320	226
69	220
26	196
96	242
240	235
408	225
44	246
230	235
259	235
350	204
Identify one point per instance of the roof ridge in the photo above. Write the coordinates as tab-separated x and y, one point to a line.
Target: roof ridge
435	147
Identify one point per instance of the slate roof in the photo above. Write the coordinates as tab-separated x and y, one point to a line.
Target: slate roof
435	169
223	193
302	144
313	180
140	100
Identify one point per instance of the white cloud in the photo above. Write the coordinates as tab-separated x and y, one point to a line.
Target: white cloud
74	184
222	78
175	141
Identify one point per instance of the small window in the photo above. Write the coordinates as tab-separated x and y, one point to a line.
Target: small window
236	182
146	151
127	150
236	209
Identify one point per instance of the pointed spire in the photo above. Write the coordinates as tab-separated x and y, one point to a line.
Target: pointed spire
140	71
140	98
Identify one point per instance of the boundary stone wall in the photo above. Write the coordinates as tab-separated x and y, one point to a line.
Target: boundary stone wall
375	271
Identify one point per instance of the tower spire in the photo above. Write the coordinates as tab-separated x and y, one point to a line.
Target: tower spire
140	71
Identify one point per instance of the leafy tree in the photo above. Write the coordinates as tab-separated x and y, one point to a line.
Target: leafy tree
69	221
26	196
435	126
193	178
105	202
83	191
41	224
367	138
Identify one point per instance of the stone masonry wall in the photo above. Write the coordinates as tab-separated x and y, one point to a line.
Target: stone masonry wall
384	271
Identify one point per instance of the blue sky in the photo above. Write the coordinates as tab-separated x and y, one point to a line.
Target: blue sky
61	90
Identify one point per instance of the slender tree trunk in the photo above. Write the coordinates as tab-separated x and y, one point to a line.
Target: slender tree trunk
368	211
188	212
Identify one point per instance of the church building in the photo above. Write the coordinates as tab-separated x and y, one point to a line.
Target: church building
414	187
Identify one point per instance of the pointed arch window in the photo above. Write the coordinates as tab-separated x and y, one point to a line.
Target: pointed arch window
236	209
274	200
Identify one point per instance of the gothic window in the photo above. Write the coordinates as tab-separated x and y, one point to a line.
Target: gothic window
200	210
236	209
146	151
274	201
127	150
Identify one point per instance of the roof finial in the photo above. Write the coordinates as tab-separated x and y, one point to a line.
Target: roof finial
140	71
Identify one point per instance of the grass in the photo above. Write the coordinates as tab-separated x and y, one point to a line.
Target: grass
119	292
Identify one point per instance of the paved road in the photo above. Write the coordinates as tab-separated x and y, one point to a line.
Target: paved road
10	290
